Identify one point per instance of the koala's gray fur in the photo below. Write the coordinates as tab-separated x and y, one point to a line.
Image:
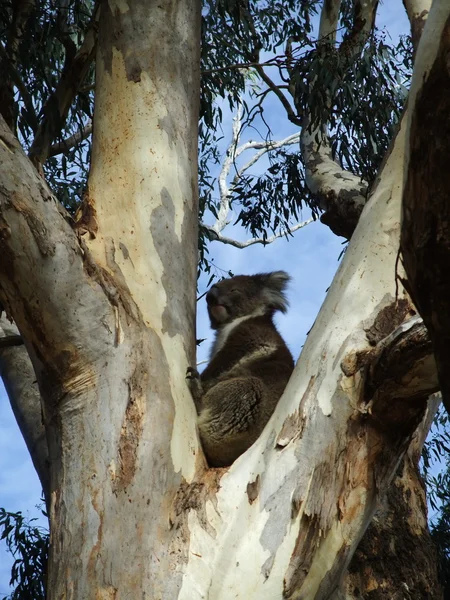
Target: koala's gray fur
249	368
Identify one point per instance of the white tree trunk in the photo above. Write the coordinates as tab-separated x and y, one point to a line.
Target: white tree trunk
106	307
108	311
306	491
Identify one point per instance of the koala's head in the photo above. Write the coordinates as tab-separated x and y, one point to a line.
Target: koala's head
246	295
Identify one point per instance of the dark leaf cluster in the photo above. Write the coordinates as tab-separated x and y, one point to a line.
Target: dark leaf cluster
359	95
49	39
29	546
270	201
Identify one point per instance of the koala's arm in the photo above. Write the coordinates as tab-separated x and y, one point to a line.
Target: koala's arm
226	359
222	366
233	414
195	385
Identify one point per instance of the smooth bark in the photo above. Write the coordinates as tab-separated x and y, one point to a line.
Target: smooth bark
417	11
108	315
106	308
310	485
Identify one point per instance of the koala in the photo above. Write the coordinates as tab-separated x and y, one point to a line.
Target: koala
249	366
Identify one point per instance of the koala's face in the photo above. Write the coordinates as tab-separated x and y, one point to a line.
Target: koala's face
246	295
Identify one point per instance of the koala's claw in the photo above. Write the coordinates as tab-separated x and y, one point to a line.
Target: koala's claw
192	373
195	385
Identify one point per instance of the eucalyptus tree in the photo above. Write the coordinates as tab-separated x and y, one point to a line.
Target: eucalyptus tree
99	224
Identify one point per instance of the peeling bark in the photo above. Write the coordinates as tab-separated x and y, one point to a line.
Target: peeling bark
396	558
426	211
106	308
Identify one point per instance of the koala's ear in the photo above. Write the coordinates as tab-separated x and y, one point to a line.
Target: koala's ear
273	292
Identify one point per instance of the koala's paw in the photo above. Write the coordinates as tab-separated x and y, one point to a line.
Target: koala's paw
192	373
195	385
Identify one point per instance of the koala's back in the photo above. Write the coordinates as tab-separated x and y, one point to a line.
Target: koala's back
242	385
253	348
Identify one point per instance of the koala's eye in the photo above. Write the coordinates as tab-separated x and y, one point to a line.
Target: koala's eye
235	291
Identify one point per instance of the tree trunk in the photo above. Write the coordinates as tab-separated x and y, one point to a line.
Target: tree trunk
106	307
396	558
426	209
108	317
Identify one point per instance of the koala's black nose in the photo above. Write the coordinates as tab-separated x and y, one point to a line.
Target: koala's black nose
212	296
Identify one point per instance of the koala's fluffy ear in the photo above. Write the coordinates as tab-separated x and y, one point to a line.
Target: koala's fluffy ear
274	286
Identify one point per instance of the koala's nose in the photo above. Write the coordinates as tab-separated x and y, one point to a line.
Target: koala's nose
212	296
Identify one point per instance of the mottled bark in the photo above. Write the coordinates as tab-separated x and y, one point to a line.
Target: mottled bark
417	11
106	307
340	194
396	558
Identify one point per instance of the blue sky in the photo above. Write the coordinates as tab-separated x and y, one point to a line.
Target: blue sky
311	258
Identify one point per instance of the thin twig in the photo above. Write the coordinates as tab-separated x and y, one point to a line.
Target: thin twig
71	141
23	91
284	101
217	236
61	99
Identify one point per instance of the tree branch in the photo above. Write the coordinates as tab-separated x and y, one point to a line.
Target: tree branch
291	114
58	104
46	239
71	141
364	13
8	60
265	147
19	379
231	154
254	54
417	11
21	12
23	91
340	194
226	191
217	236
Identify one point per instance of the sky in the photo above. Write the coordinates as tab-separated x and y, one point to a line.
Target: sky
310	257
